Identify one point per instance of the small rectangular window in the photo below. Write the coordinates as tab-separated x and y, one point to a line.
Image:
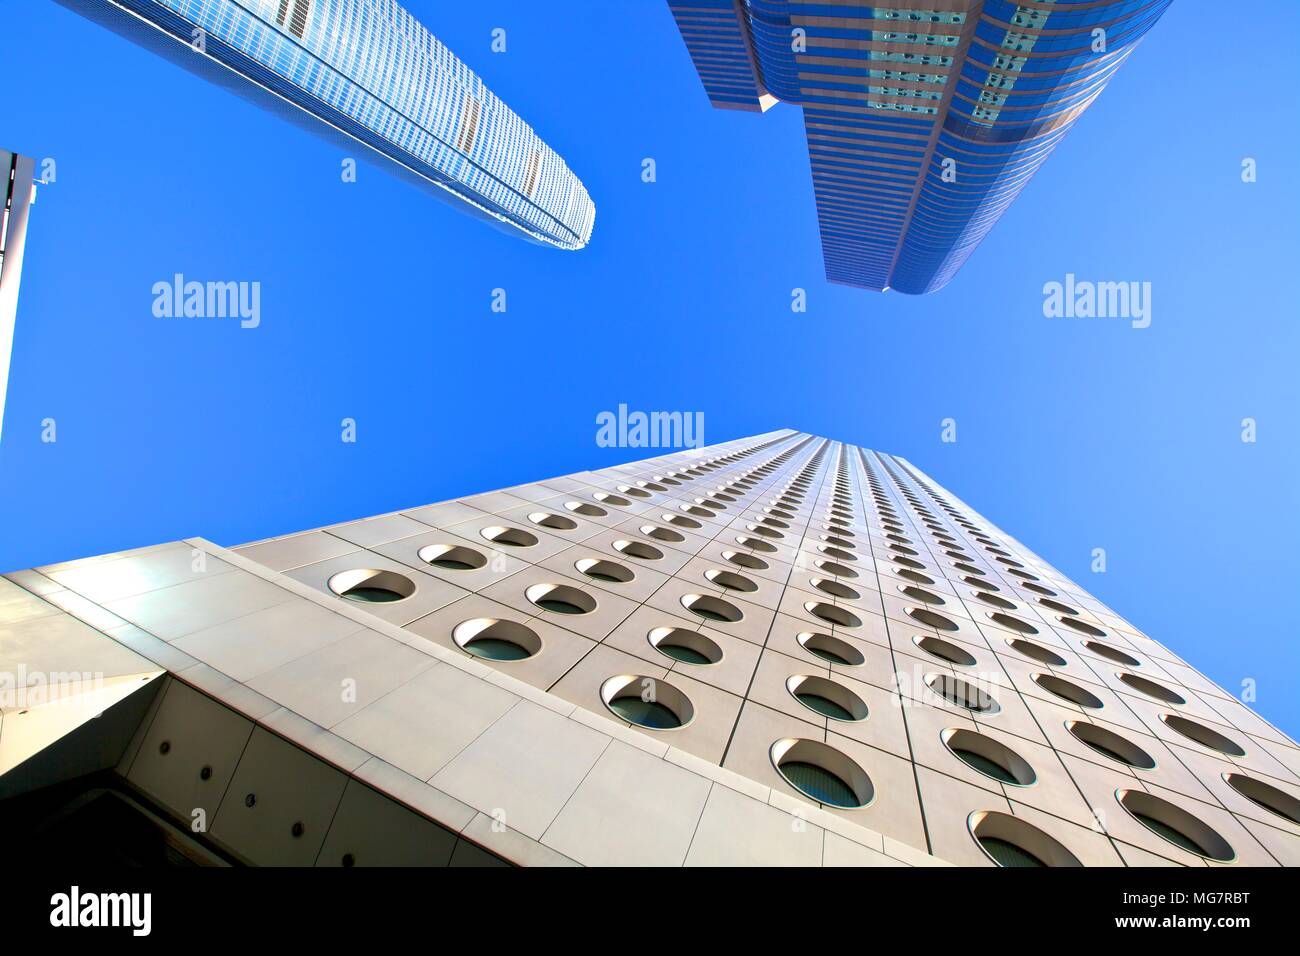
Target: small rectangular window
282	12
298	22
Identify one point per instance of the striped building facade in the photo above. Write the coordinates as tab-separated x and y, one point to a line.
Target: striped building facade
924	119
368	71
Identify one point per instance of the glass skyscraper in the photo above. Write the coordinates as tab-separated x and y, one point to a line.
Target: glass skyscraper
367	70
924	120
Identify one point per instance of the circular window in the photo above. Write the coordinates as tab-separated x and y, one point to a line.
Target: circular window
368	586
1265	795
1151	689
602	570
1057	606
545	519
1110	744
1205	736
1112	654
944	650
689	647
634	492
832	613
1037	652
451	557
682	521
1010	841
765	532
755	544
1068	690
982	585
989	757
561	599
962	693
827	698
822	773
931	619
839	554
831	649
921	594
647	702
835	588
907	562
967	568
839	570
1039	589
588	510
730	580
510	537
1013	623
639	550
1083	627
903	550
1174	824
611	499
661	534
711	608
698	511
745	560
496	640
995	600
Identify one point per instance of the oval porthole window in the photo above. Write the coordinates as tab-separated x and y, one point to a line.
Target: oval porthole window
585	509
1265	795
931	619
1011	623
683	522
712	608
838	570
1037	652
1112	654
944	650
369	586
497	640
1068	690
1203	735
610	572
452	557
1056	606
647	702
920	594
990	757
510	537
730	580
1110	744
832	614
1010	841
962	693
1083	627
740	559
831	649
826	697
835	589
561	599
1172	823
822	773
639	550
689	647
545	519
662	534
1151	689
995	600
618	501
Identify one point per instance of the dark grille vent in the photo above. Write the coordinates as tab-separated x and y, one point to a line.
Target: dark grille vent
298	23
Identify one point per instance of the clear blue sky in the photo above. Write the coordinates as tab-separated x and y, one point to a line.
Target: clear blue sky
1072	433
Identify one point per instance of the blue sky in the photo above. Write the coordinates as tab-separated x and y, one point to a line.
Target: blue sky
1072	434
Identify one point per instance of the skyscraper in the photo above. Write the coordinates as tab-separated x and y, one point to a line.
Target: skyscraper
924	120
781	649
367	71
19	193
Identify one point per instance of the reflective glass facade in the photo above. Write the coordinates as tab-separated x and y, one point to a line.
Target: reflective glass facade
368	70
924	120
